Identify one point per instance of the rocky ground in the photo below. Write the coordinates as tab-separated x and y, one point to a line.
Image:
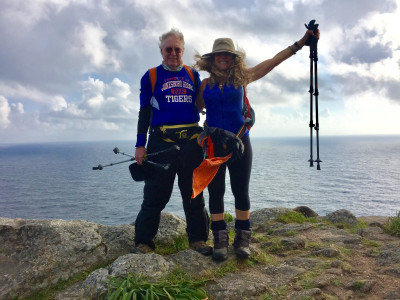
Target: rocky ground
332	257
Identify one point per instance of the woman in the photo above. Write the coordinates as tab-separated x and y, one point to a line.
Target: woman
167	106
222	95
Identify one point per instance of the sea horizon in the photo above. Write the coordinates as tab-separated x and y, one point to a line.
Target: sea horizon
55	180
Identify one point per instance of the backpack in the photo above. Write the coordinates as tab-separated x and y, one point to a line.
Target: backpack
248	112
153	77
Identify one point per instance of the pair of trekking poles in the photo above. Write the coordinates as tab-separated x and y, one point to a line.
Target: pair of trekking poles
312	42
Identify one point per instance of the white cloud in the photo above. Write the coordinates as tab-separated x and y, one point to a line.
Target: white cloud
4	113
18	91
18	107
91	41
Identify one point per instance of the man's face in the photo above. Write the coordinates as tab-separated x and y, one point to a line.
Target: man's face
172	52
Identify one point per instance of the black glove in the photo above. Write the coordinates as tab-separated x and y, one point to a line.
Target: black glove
226	142
311	40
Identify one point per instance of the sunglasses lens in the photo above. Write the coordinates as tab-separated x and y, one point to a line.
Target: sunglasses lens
170	49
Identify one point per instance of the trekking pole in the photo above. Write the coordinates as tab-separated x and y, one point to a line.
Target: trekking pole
316	93
170	150
311	124
116	151
312	42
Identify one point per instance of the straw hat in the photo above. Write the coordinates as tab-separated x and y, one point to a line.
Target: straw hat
222	45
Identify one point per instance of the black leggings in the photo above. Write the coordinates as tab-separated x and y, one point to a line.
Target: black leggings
239	172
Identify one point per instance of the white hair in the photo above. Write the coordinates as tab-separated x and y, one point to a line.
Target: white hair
173	32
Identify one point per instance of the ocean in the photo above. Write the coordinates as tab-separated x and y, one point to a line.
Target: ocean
56	180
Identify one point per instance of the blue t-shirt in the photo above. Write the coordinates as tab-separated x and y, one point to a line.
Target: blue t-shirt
174	98
224	107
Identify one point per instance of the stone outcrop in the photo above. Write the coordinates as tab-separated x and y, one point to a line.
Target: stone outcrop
37	254
289	261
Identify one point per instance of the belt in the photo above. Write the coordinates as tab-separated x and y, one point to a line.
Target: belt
176	133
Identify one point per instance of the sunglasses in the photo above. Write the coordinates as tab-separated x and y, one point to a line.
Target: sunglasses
223	53
170	49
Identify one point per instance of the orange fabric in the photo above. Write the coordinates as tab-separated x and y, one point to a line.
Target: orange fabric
153	78
204	173
189	71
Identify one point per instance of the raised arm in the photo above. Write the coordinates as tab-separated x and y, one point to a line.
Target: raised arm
268	65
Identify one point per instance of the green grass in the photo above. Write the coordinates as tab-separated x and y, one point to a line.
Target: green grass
295	217
179	243
139	288
393	225
228	218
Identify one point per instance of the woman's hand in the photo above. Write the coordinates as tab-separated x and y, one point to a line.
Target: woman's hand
307	35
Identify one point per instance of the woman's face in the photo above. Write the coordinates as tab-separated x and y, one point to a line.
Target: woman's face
172	51
223	60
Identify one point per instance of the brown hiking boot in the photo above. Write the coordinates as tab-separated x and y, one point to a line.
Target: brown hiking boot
141	249
221	242
242	242
201	247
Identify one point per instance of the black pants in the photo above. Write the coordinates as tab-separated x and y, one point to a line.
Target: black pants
157	192
239	172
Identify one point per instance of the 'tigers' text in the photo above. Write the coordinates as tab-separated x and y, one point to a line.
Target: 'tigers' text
179	98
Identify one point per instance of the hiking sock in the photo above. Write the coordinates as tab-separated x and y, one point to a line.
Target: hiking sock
218	225
242	224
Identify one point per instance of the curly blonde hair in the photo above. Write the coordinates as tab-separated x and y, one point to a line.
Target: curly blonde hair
236	75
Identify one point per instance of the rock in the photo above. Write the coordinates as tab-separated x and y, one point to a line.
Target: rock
95	285
375	221
286	229
281	274
293	243
262	216
306	211
37	254
192	262
324	280
171	226
151	266
336	263
393	272
303	262
376	233
341	216
238	286
347	239
389	255
327	252
393	295
307	294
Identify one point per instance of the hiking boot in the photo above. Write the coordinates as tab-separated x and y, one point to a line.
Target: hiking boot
201	247
242	242
141	249
221	242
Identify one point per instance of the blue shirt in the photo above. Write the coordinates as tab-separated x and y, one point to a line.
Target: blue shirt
173	102
174	97
224	107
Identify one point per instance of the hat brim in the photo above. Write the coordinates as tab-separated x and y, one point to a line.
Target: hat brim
208	55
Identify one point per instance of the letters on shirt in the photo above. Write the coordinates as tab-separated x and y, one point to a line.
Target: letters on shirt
178	88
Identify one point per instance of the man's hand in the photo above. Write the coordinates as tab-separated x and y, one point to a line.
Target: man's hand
140	154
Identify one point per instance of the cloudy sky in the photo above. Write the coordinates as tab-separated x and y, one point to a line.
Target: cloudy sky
70	69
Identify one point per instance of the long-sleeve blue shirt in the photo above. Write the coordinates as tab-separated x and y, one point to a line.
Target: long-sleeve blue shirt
173	102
